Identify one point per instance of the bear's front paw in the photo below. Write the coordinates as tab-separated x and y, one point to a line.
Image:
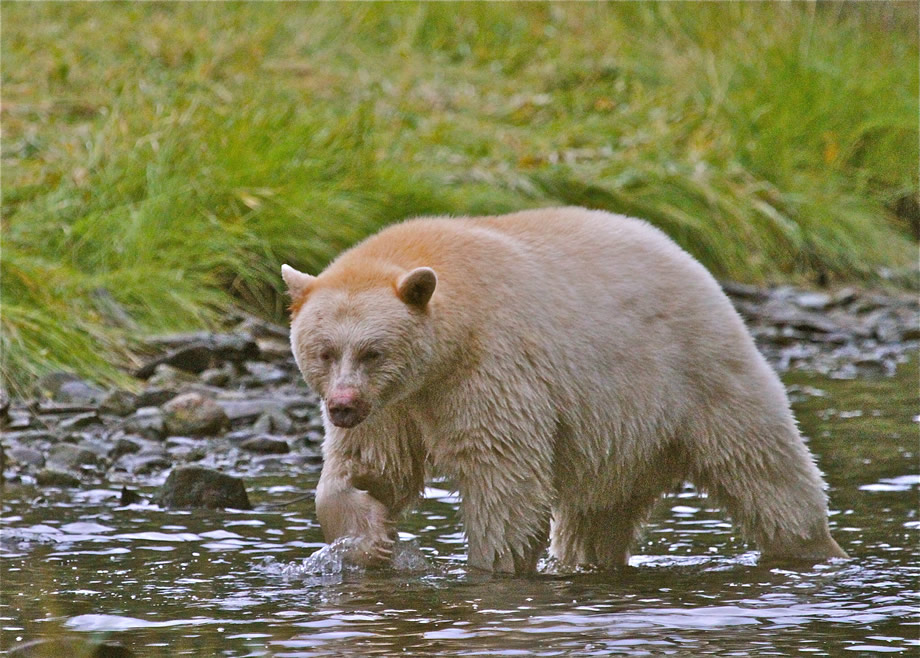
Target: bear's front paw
372	552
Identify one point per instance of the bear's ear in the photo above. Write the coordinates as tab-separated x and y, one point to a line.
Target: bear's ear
298	285
415	288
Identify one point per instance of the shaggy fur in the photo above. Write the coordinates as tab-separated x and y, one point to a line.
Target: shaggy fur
564	368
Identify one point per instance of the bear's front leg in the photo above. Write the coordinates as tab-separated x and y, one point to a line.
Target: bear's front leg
506	519
344	510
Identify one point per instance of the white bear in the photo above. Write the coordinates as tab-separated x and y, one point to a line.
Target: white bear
564	368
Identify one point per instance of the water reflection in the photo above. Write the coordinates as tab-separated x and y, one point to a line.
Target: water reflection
263	583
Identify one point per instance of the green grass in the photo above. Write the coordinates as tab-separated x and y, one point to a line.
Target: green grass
161	160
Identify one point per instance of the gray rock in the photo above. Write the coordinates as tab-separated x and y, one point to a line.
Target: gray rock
72	647
217	376
201	351
103	449
118	403
194	414
743	290
843	297
813	301
194	486
154	396
166	376
273	421
79	421
266	445
30	436
49	477
18	419
147	422
69	388
25	456
272	348
125	446
237	437
247	409
68	457
873	367
144	464
264	374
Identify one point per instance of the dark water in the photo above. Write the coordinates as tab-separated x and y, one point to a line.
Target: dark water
239	583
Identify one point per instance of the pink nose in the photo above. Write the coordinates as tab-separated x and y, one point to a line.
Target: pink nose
346	408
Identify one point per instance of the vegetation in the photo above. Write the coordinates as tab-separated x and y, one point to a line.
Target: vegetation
161	160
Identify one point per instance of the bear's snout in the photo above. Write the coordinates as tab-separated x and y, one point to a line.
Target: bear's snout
346	408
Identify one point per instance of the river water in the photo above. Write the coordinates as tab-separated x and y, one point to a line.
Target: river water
75	563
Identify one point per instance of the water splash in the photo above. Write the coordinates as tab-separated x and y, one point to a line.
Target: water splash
334	560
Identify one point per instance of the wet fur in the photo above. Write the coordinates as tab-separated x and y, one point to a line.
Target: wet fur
570	367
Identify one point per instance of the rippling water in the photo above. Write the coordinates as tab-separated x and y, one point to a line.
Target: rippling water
263	583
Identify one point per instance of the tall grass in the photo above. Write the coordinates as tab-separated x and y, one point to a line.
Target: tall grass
161	160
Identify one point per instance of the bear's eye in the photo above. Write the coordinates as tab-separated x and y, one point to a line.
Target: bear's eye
326	354
370	355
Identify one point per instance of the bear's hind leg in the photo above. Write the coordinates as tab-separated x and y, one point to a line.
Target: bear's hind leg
760	471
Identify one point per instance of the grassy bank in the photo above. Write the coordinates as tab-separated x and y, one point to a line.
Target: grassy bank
161	160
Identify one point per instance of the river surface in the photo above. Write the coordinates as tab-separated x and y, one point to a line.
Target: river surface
76	563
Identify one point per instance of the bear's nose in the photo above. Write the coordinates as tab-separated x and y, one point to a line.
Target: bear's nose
346	408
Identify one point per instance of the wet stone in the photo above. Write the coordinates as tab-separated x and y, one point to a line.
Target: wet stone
73	647
272	348
144	464
193	359
155	396
25	456
118	403
814	301
102	449
49	477
66	456
18	419
265	373
239	436
273	421
79	421
194	486
125	446
147	422
30	436
165	376
873	367
194	414
218	376
68	387
246	409
266	445
743	290
201	351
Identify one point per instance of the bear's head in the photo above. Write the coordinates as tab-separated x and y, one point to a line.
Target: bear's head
360	340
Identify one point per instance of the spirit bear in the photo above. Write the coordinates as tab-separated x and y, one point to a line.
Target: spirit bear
564	368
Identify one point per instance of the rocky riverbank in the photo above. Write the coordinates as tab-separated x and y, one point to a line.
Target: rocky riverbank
234	402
